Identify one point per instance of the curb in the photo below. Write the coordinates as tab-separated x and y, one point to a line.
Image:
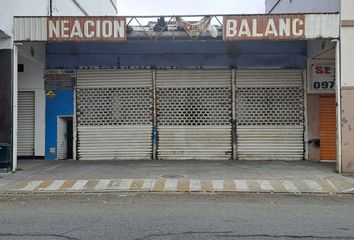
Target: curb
305	186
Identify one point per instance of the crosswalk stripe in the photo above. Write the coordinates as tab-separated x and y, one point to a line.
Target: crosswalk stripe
79	185
171	184
289	186
147	184
102	184
194	185
241	185
31	185
55	185
265	185
218	185
313	185
125	184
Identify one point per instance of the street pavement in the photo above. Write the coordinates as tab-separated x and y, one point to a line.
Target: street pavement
176	176
147	216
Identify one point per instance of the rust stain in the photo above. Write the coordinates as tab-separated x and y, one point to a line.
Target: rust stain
137	184
44	184
206	186
159	185
183	185
67	185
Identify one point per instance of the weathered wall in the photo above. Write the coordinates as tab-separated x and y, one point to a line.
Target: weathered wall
313	125
62	104
347	85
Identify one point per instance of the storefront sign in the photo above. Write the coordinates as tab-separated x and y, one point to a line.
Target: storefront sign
260	27
86	29
323	78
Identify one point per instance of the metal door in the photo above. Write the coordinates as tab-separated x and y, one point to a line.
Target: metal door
194	114
270	114
26	123
114	114
328	128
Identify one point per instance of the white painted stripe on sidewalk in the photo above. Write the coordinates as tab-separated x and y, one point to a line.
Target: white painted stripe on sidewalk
218	185
31	185
170	185
79	185
289	186
147	184
102	184
125	184
265	185
313	185
195	185
54	186
241	185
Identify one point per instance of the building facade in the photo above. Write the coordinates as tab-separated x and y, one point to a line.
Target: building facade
239	87
30	59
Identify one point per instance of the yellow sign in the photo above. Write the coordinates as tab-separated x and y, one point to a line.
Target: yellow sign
50	94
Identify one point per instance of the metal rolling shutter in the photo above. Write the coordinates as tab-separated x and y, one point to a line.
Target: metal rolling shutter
26	112
114	114
270	114
194	114
328	128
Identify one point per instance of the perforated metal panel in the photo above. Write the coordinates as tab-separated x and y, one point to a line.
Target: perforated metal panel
26	123
114	114
194	114
270	114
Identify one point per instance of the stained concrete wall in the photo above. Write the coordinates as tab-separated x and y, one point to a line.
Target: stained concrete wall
347	85
313	126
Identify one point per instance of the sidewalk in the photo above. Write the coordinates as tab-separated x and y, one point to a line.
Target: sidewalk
35	176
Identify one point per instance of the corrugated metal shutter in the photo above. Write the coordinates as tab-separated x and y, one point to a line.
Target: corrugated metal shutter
270	114
328	129
26	113
194	114
114	114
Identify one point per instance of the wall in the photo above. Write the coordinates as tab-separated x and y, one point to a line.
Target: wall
62	104
303	6
5	96
314	56
347	85
32	80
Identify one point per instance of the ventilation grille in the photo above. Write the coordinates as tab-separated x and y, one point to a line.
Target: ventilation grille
269	106
194	106
114	106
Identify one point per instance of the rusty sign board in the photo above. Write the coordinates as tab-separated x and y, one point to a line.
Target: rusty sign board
267	27
86	29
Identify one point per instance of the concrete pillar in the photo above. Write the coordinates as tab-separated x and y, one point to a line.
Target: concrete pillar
347	85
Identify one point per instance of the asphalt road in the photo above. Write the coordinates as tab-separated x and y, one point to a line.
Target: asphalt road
176	216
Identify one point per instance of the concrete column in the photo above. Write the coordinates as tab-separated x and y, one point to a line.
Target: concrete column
347	85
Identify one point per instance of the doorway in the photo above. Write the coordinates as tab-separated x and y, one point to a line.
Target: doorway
65	138
328	128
